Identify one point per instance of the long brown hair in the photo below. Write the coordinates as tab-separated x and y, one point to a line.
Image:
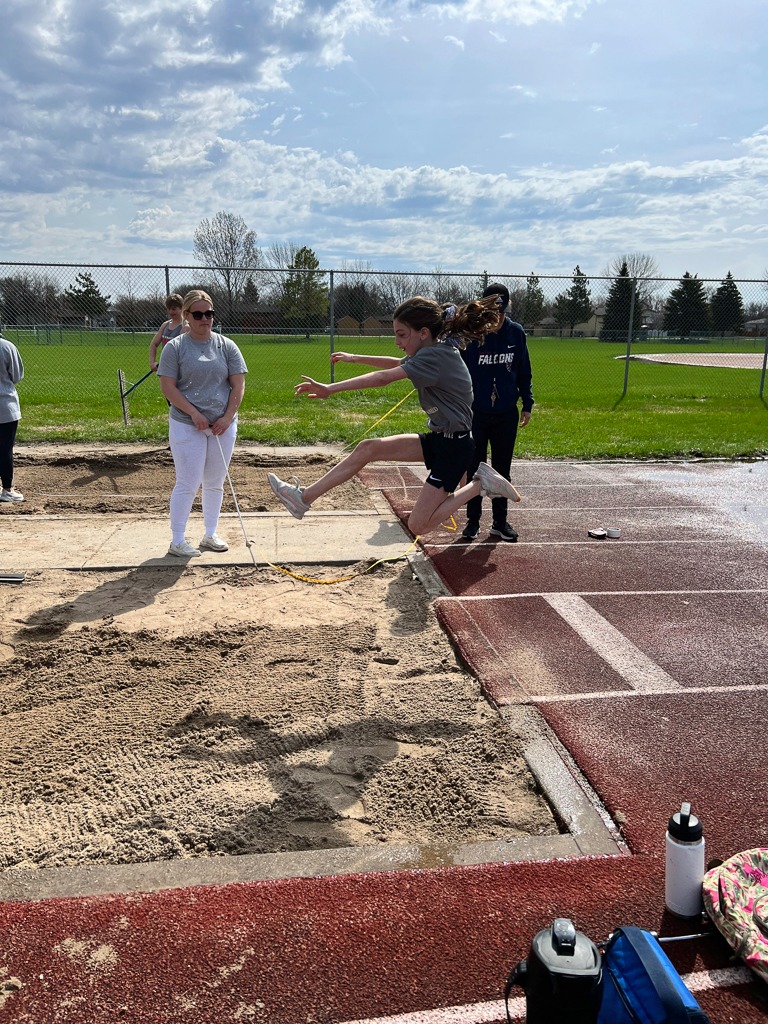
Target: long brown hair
460	324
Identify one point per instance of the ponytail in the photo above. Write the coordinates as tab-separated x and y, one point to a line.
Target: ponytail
449	322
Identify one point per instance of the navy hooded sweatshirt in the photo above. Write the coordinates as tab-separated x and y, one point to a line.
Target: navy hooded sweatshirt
501	370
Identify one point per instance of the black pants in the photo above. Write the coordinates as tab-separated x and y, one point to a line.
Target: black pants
7	441
500	431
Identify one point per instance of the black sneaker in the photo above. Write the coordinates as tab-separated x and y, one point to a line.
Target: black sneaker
505	531
471	530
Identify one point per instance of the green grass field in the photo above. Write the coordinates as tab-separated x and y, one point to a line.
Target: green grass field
71	393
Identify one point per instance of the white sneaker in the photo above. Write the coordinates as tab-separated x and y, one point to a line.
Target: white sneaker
290	495
213	542
493	484
11	495
183	550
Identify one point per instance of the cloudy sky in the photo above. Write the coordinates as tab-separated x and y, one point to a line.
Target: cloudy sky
502	135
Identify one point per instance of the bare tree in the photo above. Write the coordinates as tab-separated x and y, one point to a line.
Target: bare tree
644	269
396	288
227	248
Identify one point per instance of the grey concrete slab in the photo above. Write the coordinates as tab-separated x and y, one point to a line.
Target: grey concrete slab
103	542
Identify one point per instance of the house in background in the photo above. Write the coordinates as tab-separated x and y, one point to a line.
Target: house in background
375	325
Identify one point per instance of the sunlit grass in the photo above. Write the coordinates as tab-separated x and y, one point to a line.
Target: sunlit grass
71	393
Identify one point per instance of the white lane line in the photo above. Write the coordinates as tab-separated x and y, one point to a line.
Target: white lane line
494	1013
599	593
581	543
562	698
611	645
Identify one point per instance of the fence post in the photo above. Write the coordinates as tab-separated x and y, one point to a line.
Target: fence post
765	361
333	323
167	282
629	336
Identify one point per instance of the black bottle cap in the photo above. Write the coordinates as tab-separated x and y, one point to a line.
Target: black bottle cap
684	826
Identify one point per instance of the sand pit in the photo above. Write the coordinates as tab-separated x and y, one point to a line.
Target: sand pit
159	713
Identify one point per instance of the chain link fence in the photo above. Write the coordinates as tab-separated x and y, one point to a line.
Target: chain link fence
76	326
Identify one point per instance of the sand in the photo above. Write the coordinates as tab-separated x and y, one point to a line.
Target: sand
159	713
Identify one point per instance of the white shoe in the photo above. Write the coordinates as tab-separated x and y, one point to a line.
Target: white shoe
493	484
183	550
213	542
291	495
11	495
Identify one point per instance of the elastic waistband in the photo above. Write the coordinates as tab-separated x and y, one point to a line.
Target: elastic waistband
453	437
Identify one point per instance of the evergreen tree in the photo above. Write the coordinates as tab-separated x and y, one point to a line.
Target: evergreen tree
533	304
305	293
686	311
727	308
574	305
84	297
618	307
250	295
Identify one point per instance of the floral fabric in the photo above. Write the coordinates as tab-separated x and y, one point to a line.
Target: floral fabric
736	898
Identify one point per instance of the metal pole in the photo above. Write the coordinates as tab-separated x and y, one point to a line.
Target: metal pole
333	318
629	337
167	282
765	362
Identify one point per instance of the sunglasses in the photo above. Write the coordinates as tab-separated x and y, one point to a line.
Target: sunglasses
209	314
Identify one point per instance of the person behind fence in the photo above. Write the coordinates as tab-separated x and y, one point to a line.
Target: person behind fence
430	335
171	328
202	375
500	368
11	372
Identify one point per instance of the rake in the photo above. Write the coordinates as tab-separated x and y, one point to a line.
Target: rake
126	390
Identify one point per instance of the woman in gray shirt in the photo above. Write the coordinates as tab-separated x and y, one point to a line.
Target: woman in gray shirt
430	336
202	375
11	372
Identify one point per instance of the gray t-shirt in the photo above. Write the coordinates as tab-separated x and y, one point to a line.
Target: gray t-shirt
11	372
445	388
201	371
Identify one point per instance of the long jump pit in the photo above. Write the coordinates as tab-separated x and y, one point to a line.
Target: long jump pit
169	722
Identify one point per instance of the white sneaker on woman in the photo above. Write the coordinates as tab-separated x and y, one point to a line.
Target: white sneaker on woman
213	542
11	494
183	549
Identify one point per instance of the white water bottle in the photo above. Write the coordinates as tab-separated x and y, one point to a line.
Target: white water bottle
684	864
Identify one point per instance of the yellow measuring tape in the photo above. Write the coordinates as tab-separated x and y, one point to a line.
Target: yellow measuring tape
341	579
373	427
380	561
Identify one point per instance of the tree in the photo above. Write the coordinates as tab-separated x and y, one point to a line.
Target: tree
250	295
396	288
533	306
645	271
618	307
28	299
685	311
356	293
574	305
727	308
227	248
84	297
305	293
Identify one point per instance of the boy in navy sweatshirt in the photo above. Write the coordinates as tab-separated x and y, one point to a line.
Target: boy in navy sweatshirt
500	368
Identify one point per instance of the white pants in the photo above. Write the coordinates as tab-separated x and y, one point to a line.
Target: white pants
198	460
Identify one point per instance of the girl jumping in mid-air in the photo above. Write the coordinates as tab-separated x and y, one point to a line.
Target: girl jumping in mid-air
429	335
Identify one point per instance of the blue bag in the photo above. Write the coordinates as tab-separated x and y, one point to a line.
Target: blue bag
641	985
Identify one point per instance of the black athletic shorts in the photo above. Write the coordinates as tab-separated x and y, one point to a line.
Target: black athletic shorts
447	457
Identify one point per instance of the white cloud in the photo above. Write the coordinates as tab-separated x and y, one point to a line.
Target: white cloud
129	123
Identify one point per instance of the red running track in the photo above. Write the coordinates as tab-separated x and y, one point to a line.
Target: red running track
656	696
